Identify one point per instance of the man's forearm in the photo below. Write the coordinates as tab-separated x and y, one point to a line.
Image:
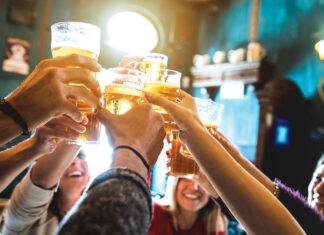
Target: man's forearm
125	158
9	129
49	169
15	160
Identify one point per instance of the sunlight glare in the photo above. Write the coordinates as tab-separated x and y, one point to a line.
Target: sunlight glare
132	32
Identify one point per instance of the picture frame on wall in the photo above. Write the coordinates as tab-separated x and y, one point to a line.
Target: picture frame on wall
17	54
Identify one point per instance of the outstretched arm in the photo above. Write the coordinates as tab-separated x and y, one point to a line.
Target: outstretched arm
45	93
31	197
16	159
119	200
251	203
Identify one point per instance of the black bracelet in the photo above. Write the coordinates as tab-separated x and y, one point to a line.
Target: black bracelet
137	154
11	112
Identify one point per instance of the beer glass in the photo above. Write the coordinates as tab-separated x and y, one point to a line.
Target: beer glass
151	61
123	89
83	39
181	162
164	82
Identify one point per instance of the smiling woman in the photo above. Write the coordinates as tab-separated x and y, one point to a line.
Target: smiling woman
132	32
191	211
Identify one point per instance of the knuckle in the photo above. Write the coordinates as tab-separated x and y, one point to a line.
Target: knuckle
147	107
75	57
53	73
43	63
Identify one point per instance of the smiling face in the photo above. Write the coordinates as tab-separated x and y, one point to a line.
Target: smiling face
316	189
190	196
76	177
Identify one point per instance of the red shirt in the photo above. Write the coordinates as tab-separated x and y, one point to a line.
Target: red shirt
162	225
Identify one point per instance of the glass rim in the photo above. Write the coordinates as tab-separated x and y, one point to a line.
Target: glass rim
159	57
175	72
123	68
214	105
76	22
157	54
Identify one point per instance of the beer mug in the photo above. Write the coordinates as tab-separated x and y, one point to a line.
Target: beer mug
151	61
83	39
181	162
255	52
122	89
164	82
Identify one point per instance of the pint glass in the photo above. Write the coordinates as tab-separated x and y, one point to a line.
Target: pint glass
83	39
181	162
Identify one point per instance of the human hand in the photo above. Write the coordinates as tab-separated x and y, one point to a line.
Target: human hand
140	128
54	132
127	60
45	92
184	113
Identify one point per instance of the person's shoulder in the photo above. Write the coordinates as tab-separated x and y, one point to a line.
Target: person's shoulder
161	221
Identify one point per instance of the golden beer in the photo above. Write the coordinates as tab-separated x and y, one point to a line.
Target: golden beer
91	135
211	127
118	99
146	65
64	51
168	91
92	127
181	162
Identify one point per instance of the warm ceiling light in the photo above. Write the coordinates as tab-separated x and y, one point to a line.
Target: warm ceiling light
132	32
319	47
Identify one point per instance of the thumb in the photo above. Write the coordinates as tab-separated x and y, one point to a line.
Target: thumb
169	106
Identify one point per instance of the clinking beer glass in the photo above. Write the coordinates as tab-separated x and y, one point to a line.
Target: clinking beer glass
123	89
181	162
83	39
151	61
164	82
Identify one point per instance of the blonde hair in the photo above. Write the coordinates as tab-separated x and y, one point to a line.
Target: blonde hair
215	219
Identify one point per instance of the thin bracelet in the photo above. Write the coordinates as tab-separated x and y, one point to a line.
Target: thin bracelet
136	153
11	112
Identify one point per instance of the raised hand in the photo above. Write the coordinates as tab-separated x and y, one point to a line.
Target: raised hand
140	128
55	131
45	92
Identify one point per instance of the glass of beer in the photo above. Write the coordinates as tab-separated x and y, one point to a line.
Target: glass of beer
181	162
151	61
83	39
123	89
164	82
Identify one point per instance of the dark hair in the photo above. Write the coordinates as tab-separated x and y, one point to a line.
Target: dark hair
286	97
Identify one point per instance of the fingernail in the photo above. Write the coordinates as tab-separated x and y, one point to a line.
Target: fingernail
84	129
85	120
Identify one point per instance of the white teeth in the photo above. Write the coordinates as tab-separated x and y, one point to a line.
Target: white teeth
191	196
75	174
